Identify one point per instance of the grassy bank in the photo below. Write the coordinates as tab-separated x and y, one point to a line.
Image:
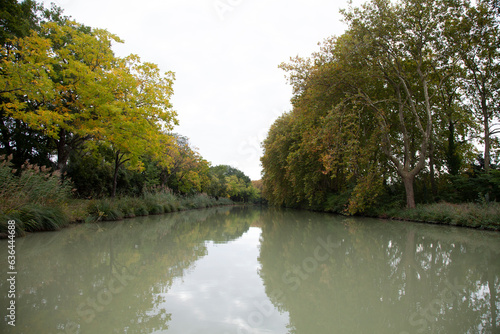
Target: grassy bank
38	199
149	204
475	215
35	218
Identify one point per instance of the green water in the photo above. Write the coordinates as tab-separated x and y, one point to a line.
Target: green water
247	270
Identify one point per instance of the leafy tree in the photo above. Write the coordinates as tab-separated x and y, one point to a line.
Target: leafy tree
401	46
227	181
276	186
79	93
377	106
62	73
18	19
136	125
474	35
188	172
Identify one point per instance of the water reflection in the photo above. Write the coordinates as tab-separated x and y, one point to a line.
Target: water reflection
336	274
247	270
108	278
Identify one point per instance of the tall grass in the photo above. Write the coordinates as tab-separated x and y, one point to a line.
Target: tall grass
153	202
34	197
478	215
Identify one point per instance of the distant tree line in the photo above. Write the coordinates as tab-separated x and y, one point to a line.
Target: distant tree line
403	108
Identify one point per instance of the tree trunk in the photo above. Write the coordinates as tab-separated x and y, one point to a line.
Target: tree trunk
62	151
115	175
453	160
487	143
408	180
486	124
432	172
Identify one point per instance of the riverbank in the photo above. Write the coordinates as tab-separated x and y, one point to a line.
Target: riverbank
38	218
474	215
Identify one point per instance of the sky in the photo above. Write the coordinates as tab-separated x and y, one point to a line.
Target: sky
225	55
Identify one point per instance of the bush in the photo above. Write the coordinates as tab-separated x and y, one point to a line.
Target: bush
104	209
337	202
33	218
223	201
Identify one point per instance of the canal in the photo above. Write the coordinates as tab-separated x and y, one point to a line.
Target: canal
253	270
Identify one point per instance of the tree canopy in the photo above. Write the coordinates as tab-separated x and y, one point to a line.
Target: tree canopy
386	105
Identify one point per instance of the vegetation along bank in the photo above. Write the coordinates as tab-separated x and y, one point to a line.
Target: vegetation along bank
397	117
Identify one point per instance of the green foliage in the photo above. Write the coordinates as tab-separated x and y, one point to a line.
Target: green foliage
34	218
63	81
473	186
188	173
35	197
229	182
382	111
64	94
104	209
90	173
337	202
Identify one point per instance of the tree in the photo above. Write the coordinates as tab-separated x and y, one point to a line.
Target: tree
474	34
227	181
376	107
18	19
400	46
188	172
80	93
16	138
276	186
137	123
62	73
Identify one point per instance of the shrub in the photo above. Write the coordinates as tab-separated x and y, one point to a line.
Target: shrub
224	201
104	209
337	202
33	196
43	218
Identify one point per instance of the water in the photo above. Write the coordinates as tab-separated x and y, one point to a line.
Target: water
247	270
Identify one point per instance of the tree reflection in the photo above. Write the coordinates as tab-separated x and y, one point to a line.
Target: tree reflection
382	277
111	278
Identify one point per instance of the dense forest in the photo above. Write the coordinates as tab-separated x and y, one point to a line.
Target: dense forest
78	122
402	109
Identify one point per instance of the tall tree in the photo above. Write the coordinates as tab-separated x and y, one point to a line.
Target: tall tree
399	45
83	94
63	71
188	172
474	34
18	19
136	124
276	185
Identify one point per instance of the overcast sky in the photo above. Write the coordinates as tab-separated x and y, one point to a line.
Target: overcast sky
225	54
